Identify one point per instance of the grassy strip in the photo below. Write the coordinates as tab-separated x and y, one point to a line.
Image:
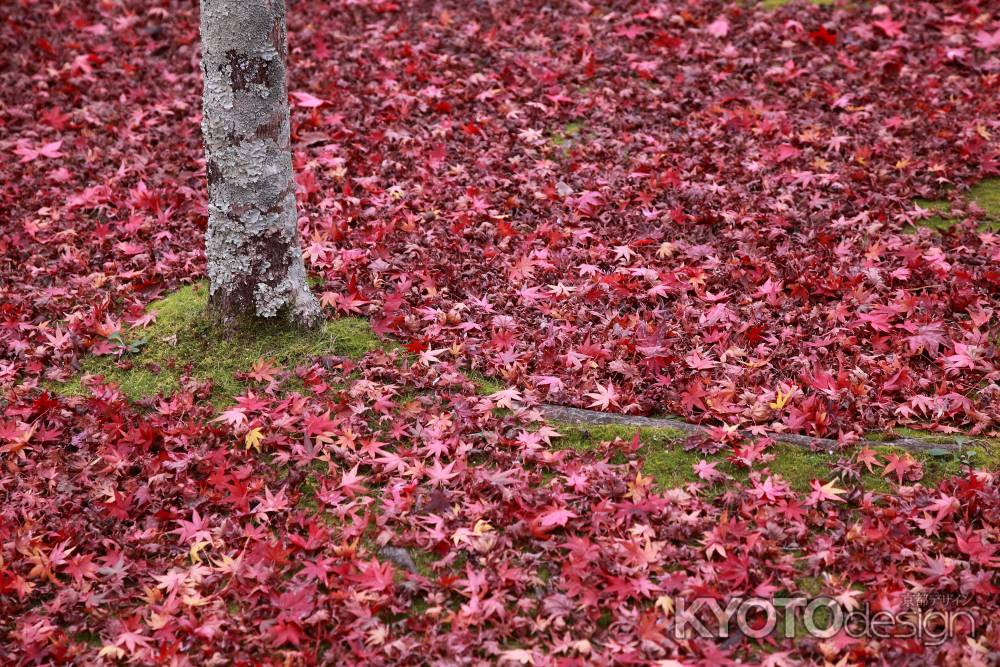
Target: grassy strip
670	465
775	4
985	194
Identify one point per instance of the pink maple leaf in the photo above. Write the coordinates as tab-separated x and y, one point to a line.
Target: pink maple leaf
707	471
604	396
589	201
307	100
556	517
889	27
987	41
719	27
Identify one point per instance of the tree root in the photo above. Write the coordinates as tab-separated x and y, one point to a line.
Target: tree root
562	413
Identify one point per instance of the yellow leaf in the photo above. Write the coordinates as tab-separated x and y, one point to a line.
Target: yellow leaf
481	527
254	438
666	249
829	491
638	488
112	651
780	400
157	621
821	164
194	599
665	604
151	595
196	549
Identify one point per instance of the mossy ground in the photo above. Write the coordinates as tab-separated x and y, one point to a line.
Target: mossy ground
670	465
184	340
774	4
985	194
566	134
485	385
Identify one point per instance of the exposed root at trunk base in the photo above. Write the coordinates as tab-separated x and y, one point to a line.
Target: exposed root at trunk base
301	312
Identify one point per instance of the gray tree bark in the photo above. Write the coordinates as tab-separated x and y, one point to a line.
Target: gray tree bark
252	245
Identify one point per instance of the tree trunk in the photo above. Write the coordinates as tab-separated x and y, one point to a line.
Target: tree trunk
252	244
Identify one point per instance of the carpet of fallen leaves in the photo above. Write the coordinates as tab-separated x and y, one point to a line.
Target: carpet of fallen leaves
163	534
692	207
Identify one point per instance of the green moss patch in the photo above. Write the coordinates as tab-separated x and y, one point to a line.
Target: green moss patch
184	340
775	4
664	457
560	137
485	385
670	465
985	194
939	221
